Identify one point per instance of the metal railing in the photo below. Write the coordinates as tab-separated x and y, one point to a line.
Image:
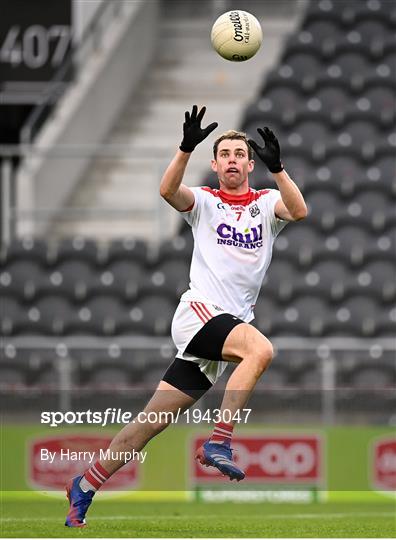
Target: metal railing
325	352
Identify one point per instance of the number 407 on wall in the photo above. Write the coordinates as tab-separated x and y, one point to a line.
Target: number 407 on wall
35	46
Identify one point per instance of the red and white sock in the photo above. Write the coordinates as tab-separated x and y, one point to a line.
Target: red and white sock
222	433
94	478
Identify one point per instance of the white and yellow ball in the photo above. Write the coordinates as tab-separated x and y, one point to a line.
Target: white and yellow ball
236	35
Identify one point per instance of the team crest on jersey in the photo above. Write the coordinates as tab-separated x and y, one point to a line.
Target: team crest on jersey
254	210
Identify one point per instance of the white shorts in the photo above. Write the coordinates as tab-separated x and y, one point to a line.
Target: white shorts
189	318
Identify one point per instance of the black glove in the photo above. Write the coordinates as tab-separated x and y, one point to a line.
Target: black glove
192	131
270	152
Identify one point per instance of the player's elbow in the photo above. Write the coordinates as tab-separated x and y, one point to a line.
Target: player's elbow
301	213
165	192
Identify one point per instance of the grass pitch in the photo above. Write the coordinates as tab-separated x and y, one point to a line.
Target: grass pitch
107	519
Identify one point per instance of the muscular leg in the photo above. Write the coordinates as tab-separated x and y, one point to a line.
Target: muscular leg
135	436
253	352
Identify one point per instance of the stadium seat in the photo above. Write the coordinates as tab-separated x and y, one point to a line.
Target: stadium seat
280	281
349	69
375	36
358	316
277	105
381	10
13	317
169	278
77	248
351	244
381	175
329	279
348	12
388	62
51	315
301	170
357	138
299	70
120	278
71	279
22	279
387	322
330	9
385	245
371	106
129	248
311	138
27	248
100	315
149	315
372	210
342	173
299	243
266	311
325	210
320	35
334	101
179	247
157	314
377	279
303	317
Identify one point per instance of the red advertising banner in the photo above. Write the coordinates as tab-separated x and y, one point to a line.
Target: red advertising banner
383	464
53	461
269	459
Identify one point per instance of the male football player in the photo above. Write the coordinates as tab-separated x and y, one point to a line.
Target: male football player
234	228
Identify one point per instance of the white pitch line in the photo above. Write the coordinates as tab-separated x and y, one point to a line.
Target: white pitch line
204	516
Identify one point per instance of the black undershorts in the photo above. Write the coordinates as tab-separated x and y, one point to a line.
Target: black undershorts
207	344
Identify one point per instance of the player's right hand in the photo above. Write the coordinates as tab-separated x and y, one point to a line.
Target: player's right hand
193	134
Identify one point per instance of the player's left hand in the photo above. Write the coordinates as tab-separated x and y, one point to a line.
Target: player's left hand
270	152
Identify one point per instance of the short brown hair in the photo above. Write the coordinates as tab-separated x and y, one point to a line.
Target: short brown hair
232	135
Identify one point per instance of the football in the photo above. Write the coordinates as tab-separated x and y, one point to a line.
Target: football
236	35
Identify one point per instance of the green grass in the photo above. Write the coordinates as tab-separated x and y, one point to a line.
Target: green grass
107	519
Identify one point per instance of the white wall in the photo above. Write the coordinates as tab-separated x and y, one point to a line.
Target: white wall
83	13
86	112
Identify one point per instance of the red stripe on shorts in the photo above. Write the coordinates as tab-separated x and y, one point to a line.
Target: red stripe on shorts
199	311
205	309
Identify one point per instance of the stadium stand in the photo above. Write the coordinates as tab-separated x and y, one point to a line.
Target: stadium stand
331	101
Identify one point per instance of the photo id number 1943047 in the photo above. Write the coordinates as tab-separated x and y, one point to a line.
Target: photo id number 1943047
196	416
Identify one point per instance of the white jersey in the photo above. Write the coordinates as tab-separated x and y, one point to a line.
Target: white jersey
233	239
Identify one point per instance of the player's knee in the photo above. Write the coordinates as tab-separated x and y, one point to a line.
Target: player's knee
262	352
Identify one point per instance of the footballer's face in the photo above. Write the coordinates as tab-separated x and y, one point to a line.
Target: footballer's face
232	165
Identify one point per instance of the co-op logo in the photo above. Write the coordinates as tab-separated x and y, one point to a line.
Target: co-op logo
273	459
383	463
